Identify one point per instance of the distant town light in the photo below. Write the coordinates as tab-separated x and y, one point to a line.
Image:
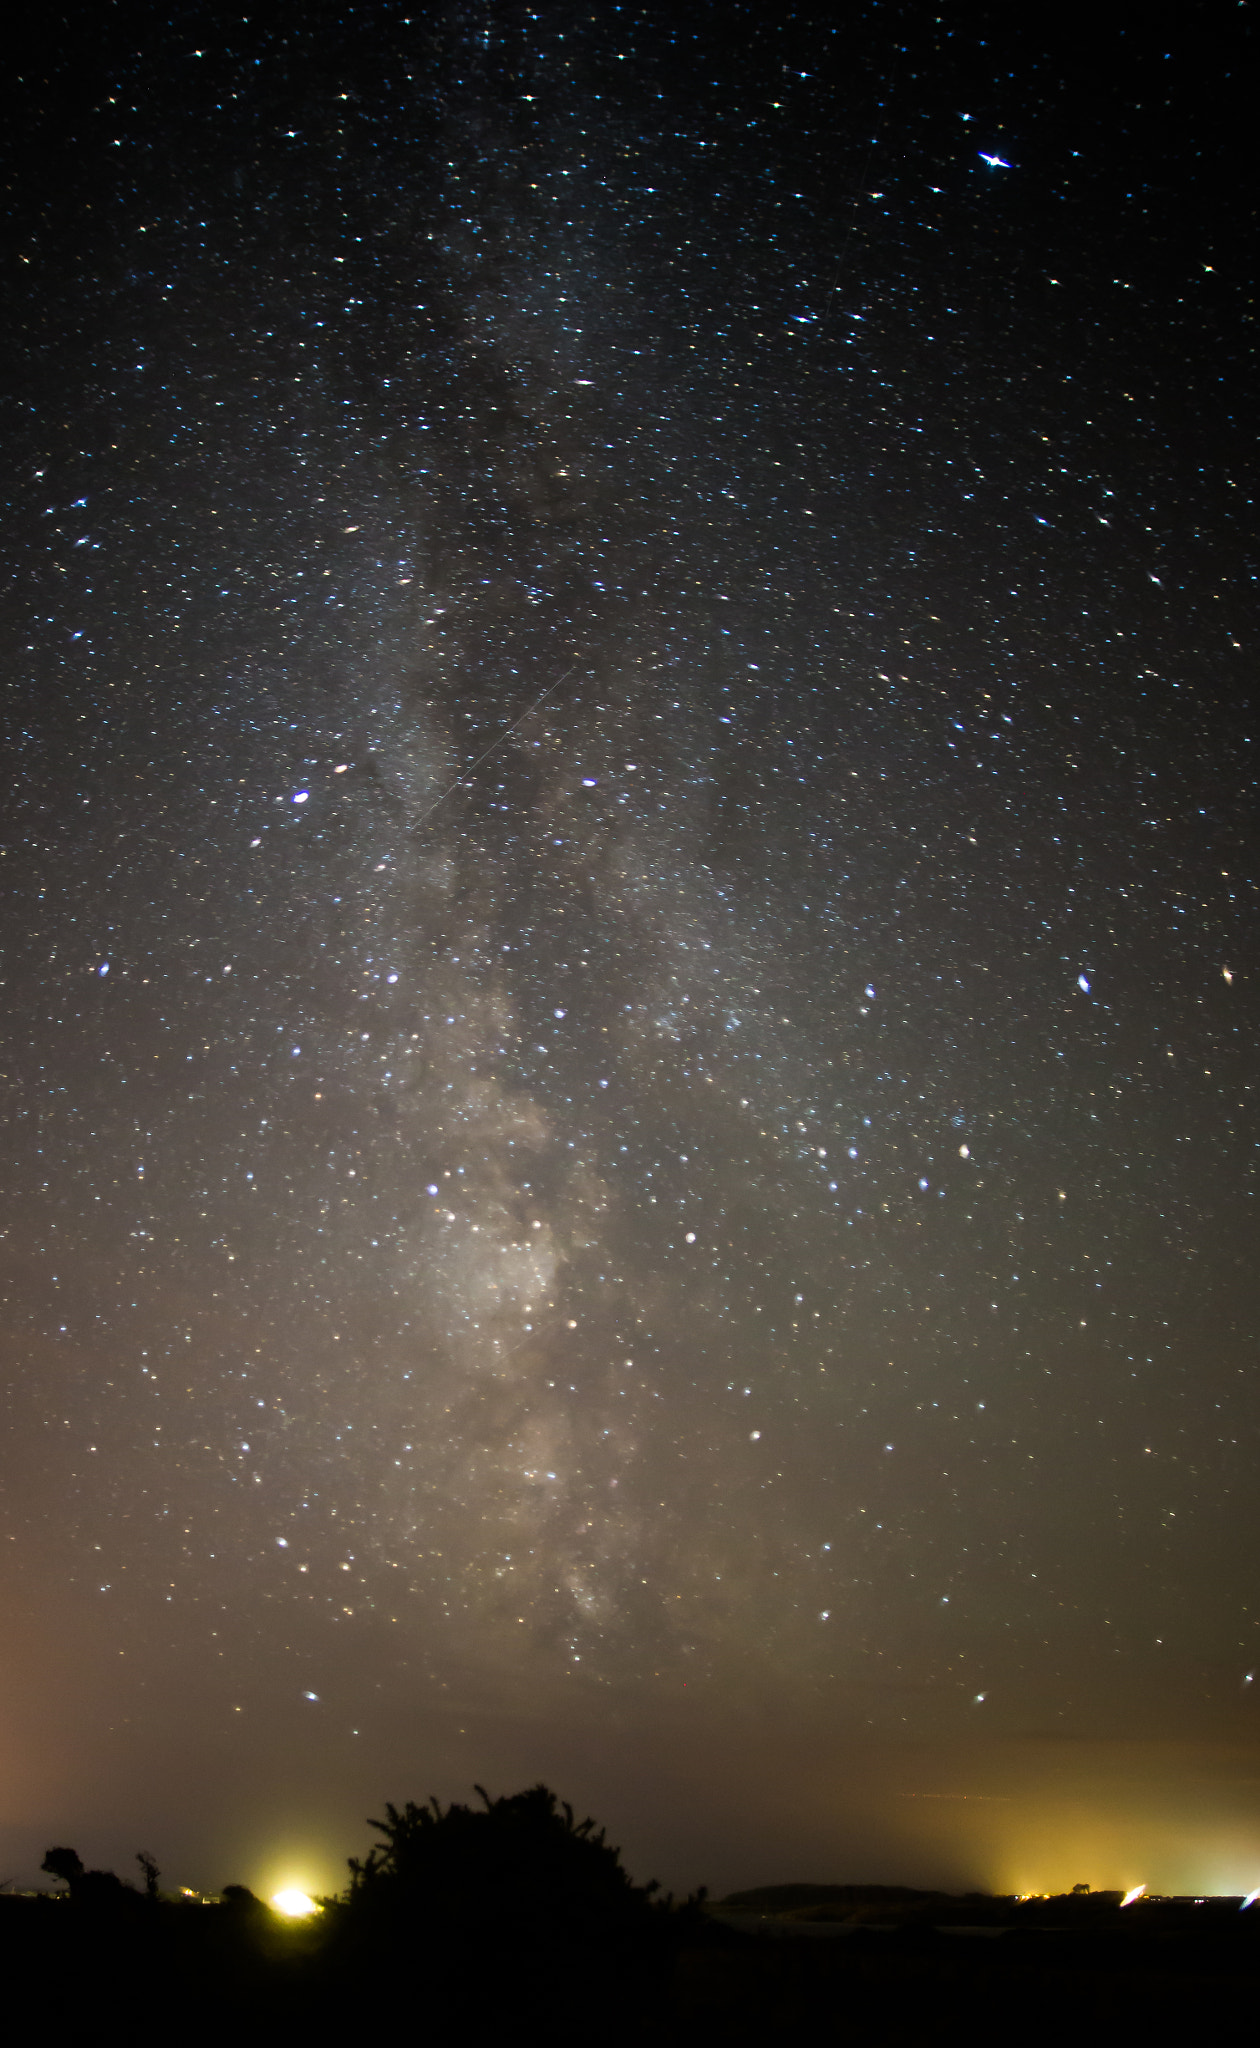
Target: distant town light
294	1904
1130	1897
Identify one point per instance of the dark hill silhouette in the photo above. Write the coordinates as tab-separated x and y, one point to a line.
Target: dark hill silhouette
512	1920
796	1898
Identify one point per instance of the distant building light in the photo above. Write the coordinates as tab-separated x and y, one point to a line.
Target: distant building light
295	1905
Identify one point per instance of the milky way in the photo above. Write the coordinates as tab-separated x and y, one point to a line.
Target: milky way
631	872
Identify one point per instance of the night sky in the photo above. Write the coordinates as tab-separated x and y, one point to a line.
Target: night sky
628	945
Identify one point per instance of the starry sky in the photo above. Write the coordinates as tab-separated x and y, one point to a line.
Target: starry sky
628	1111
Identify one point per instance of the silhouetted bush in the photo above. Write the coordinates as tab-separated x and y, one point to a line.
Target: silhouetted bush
523	1862
515	1911
242	1904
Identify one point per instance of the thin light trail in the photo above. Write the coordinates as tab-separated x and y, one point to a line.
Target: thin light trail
496	742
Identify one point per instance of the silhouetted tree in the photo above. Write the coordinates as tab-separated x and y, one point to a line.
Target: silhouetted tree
148	1865
88	1887
67	1864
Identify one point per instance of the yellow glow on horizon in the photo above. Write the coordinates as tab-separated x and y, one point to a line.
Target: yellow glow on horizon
1131	1897
295	1905
1114	1836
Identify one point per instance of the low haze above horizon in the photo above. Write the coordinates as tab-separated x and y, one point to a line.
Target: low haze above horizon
629	935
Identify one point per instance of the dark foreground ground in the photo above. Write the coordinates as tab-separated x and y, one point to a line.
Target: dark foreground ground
202	1973
917	1988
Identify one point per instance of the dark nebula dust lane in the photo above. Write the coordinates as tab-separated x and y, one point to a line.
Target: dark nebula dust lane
628	948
